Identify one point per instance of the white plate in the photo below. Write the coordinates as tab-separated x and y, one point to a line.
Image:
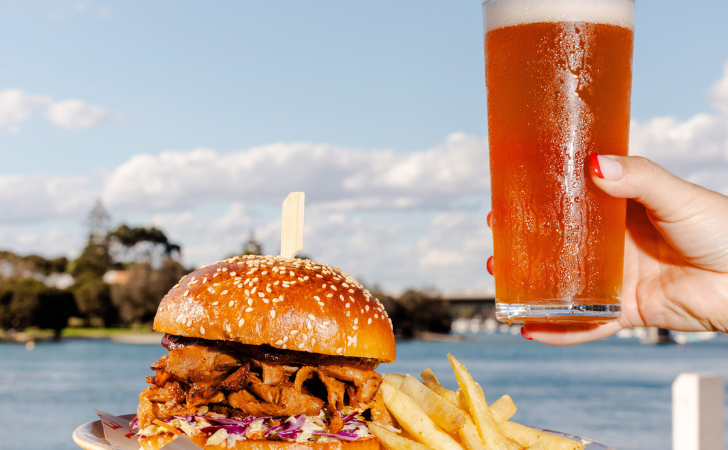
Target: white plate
90	436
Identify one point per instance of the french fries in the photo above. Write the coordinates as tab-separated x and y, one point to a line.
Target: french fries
393	440
488	428
527	436
394	379
413	419
503	408
442	412
433	417
431	382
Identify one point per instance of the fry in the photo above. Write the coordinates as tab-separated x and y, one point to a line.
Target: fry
431	382
503	408
470	437
392	440
444	414
488	428
394	379
527	436
414	420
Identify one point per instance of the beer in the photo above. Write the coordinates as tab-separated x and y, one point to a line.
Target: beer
558	76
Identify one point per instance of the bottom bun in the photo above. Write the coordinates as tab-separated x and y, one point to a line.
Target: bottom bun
158	441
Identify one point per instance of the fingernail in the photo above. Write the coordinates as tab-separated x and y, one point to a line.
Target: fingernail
490	219
489	265
523	333
605	167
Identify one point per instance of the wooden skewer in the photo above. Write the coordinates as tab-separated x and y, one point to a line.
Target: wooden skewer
292	225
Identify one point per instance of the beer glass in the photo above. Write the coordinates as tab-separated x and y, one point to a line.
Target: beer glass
558	77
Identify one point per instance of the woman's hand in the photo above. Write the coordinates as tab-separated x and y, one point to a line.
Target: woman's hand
675	256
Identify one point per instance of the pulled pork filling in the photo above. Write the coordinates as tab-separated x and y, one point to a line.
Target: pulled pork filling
221	379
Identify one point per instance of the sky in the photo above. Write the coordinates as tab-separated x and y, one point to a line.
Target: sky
200	117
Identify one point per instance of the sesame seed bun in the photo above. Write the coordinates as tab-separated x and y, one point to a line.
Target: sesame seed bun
157	442
289	304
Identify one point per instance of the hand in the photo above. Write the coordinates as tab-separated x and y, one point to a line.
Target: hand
675	256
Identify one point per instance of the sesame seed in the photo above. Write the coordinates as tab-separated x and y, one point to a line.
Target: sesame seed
351	291
329	295
312	317
347	305
366	307
268	289
285	346
313	341
339	350
232	274
214	303
304	337
231	303
333	287
285	338
376	316
300	345
308	324
319	275
216	284
192	282
250	302
355	327
356	320
189	322
211	290
202	330
369	321
260	294
345	285
273	314
254	280
316	297
291	273
341	297
323	287
265	300
276	283
361	310
224	269
264	272
348	313
215	275
253	291
224	292
248	309
279	342
321	303
293	332
185	294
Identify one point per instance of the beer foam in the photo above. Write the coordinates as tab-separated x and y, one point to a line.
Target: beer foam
505	13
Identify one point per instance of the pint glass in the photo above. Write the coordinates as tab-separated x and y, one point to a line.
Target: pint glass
558	77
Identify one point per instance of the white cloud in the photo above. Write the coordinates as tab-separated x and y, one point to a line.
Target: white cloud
36	198
16	106
695	149
335	177
719	92
75	114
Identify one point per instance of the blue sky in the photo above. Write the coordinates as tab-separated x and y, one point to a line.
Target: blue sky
389	95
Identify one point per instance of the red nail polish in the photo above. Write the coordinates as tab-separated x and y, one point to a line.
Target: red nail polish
594	162
489	265
490	219
523	333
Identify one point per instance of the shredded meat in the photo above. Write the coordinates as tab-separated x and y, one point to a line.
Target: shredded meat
237	380
291	402
234	384
200	364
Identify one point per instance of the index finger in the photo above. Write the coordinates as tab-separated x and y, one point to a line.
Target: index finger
569	334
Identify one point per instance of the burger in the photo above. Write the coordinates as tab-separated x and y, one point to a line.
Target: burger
267	353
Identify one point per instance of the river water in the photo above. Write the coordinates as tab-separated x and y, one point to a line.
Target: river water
615	391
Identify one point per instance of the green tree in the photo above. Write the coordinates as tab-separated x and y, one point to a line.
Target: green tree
26	302
137	301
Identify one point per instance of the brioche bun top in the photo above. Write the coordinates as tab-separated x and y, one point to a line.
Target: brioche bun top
293	304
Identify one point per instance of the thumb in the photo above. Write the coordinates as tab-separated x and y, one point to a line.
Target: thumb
666	196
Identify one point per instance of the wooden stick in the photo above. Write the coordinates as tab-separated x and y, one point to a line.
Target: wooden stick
292	225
